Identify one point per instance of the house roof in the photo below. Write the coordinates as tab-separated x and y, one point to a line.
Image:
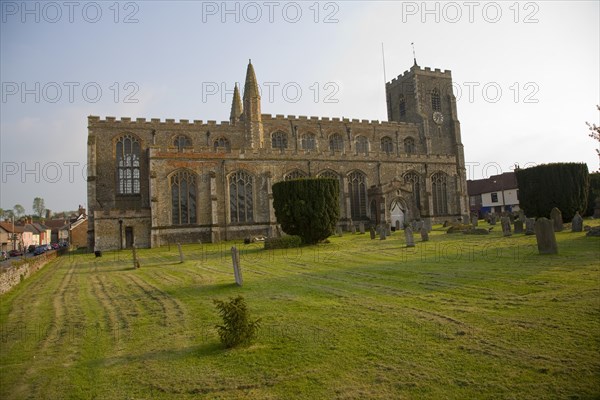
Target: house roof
494	183
8	227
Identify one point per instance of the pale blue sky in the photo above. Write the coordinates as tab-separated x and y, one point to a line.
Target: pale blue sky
544	57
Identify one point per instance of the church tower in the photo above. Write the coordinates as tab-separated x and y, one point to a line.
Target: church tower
252	114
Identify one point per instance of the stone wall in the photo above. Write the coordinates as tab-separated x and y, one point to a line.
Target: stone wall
12	276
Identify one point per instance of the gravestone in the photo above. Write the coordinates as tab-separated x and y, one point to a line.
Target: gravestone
372	232
427	224
474	220
381	232
506	231
424	234
353	229
361	228
180	253
577	223
493	219
419	225
465	219
397	225
237	269
388	229
511	216
544	234
408	234
529	226
338	230
522	216
136	262
519	226
556	217
413	224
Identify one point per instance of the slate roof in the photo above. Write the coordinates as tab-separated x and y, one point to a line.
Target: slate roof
494	183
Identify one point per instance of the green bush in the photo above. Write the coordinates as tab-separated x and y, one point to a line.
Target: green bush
237	328
593	193
561	185
284	242
308	208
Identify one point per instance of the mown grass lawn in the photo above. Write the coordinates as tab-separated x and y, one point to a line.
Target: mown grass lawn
457	317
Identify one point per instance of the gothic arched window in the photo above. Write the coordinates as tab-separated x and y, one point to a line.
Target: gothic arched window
279	140
336	143
440	194
222	144
309	141
295	174
328	174
436	104
362	145
357	187
409	146
183	198
241	201
182	141
387	145
128	165
414	180
402	105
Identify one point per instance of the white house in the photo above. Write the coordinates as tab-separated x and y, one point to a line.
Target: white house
496	194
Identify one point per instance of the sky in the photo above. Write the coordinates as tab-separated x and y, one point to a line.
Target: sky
526	74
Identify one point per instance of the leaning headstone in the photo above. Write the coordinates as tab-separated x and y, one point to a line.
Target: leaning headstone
518	226
493	219
180	253
381	232
474	220
397	225
372	232
424	234
361	228
237	269
556	217
339	231
408	234
529	226
353	229
544	234
506	231
577	223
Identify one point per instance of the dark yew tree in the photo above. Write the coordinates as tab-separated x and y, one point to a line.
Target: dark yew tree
308	208
561	185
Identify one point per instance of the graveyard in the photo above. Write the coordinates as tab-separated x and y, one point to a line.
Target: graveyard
457	316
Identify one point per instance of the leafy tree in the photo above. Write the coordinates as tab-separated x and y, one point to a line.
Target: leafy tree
19	210
561	185
237	328
308	208
593	193
39	207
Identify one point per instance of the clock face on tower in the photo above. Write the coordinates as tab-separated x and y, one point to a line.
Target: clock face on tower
438	118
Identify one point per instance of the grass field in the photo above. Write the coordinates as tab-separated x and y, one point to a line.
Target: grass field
458	317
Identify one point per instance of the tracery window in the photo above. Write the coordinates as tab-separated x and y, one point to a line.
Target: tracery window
241	201
387	145
414	180
279	141
309	141
357	187
182	141
440	193
436	104
128	165
183	198
295	174
402	106
336	143
222	144
362	145
409	146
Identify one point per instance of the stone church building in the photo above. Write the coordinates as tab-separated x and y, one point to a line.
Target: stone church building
153	181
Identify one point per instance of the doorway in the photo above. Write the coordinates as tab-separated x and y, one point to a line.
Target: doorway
129	237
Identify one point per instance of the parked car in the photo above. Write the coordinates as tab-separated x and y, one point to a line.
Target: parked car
39	250
3	255
55	246
31	248
15	253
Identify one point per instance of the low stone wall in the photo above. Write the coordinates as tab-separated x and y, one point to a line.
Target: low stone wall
13	275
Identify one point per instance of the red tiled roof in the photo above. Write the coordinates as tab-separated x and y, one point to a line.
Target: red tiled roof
494	183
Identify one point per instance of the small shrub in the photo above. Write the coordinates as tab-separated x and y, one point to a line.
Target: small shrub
284	242
237	328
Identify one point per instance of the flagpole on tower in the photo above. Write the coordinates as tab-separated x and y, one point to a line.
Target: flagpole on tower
414	54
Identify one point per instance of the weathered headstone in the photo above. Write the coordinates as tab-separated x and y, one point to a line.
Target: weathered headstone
427	224
136	262
372	232
518	226
493	219
237	269
361	228
338	230
424	234
556	217
506	231
382	234
465	219
353	229
474	220
522	216
419	225
388	229
180	253
511	217
397	225
544	234
529	226
408	234
577	223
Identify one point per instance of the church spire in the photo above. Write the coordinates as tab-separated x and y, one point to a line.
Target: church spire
236	106
252	113
251	86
